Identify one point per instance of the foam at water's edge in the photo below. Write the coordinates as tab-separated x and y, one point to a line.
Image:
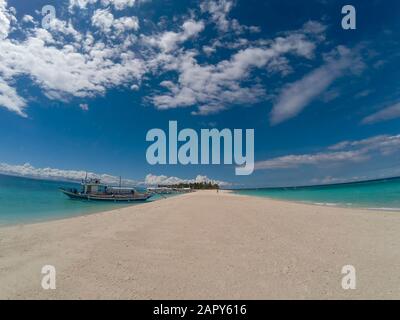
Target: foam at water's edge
381	195
384	209
327	204
351	205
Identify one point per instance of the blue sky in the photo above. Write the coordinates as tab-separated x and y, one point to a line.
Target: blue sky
81	95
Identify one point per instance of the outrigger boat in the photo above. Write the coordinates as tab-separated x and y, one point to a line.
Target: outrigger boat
94	190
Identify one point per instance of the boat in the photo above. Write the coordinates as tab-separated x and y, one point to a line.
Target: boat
94	190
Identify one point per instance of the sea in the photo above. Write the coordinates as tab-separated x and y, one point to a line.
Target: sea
25	200
383	194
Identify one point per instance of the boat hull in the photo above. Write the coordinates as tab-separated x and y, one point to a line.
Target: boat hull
107	198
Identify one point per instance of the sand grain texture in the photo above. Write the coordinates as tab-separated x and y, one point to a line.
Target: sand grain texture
206	245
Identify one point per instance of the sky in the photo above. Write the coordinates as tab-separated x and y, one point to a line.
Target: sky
80	93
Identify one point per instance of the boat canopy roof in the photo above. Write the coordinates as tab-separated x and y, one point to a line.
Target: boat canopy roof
121	188
98	184
93	184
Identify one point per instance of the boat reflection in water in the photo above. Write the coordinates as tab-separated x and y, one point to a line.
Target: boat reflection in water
94	190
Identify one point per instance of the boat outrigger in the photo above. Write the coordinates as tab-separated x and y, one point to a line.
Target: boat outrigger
94	190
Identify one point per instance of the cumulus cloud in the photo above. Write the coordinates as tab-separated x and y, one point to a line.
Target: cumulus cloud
5	20
296	96
219	11
388	113
66	62
117	4
28	19
104	20
316	28
120	4
154	180
345	151
27	170
126	23
168	41
11	100
215	87
67	71
81	4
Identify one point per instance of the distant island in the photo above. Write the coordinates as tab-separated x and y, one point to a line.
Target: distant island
194	186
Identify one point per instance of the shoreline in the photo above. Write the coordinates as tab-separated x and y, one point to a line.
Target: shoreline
232	192
330	205
206	245
85	214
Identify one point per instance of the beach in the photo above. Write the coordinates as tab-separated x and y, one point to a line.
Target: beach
206	245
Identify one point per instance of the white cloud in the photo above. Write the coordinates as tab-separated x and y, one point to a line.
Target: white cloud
126	23
219	11
316	28
292	161
77	74
345	151
388	113
81	4
84	106
62	28
11	100
65	67
66	62
154	180
208	50
27	170
384	144
5	19
296	96
103	19
117	4
334	180
28	19
216	87
83	69
169	40
364	93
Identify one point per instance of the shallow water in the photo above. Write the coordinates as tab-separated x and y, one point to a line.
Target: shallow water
25	200
379	194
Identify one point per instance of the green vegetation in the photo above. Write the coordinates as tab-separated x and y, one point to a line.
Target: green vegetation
195	186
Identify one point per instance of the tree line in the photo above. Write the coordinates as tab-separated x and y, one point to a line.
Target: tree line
195	186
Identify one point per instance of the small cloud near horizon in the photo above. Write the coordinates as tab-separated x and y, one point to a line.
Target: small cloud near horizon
29	171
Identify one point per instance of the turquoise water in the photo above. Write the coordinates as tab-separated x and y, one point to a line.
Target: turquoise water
379	194
25	200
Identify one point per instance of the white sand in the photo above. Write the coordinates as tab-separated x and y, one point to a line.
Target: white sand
206	246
